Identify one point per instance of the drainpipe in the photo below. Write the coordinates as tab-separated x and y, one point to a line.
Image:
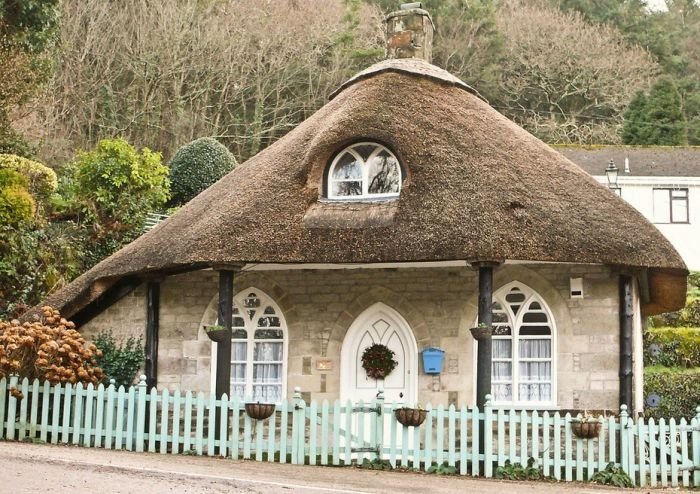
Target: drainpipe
626	332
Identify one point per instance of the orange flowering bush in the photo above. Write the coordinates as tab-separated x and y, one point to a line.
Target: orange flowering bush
49	348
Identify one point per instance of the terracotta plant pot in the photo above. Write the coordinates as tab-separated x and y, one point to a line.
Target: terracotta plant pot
259	411
585	430
481	332
410	417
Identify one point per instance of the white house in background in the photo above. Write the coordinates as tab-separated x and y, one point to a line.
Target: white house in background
663	183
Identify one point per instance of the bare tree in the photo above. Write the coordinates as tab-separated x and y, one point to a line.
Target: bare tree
162	73
564	79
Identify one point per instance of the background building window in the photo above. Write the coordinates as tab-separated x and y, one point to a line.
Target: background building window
258	363
523	365
671	205
364	171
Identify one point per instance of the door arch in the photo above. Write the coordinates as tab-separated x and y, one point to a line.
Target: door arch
379	324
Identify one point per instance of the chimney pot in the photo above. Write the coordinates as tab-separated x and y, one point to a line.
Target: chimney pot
410	32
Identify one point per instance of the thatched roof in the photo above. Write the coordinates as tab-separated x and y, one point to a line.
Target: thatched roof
477	187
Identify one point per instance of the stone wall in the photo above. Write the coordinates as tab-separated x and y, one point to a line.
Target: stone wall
439	304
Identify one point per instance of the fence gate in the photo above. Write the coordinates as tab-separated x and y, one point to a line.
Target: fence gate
339	433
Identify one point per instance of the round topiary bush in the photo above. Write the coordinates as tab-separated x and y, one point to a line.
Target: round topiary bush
196	166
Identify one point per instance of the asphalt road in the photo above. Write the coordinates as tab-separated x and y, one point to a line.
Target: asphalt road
39	468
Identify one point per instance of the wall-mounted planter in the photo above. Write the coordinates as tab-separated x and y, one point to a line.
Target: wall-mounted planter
433	359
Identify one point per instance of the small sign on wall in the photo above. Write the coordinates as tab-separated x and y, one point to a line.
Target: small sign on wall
324	365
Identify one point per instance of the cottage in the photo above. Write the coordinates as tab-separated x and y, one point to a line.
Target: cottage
403	213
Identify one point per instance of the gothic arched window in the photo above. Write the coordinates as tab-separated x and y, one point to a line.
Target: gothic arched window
364	171
523	347
258	348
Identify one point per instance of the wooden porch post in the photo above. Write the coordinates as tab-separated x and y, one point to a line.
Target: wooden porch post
223	349
626	330
483	358
152	327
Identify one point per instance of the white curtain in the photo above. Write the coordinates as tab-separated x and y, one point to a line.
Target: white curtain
535	368
267	371
239	354
502	370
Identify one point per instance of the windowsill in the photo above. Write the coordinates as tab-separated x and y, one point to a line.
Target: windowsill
357	200
526	407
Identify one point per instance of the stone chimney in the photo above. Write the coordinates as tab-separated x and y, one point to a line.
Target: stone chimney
410	33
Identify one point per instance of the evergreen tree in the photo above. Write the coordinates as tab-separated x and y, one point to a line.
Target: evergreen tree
656	119
635	128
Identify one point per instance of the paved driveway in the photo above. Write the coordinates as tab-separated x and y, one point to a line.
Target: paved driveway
30	468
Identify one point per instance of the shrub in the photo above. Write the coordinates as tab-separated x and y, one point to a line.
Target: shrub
678	390
198	165
16	204
672	347
120	360
41	180
117	185
515	471
612	475
49	348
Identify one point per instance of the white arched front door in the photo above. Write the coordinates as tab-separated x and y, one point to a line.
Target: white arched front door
379	324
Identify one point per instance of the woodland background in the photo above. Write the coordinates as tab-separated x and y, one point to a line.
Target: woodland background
98	97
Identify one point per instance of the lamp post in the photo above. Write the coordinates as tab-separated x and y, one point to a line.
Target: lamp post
611	174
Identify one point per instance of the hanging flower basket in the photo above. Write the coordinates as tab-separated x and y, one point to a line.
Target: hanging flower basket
217	334
482	332
259	411
410	417
378	361
586	429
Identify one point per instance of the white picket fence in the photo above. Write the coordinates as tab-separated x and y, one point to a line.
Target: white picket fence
666	453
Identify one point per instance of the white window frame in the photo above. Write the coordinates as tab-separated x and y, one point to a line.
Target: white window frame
668	202
515	324
365	171
250	326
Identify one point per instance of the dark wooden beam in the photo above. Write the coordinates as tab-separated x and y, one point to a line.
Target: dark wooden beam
483	357
152	327
626	330
109	297
223	349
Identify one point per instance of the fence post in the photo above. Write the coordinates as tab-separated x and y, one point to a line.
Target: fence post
488	437
141	389
624	440
696	447
379	424
298	422
12	407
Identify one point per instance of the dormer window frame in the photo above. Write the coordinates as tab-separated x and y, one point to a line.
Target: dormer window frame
365	170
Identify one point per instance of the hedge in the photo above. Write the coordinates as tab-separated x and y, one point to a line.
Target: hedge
672	347
678	391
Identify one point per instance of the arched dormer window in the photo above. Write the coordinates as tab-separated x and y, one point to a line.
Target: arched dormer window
258	348
523	369
365	170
